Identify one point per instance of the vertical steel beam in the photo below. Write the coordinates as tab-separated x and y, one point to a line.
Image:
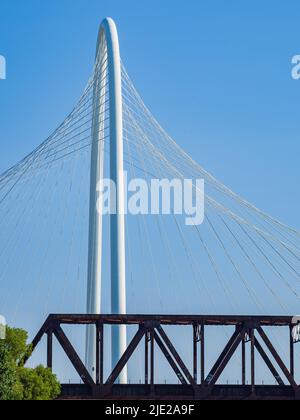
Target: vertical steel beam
244	361
202	354
147	358
292	353
195	352
102	354
49	349
252	338
99	353
152	361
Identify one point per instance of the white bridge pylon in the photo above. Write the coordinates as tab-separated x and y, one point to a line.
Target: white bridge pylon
107	50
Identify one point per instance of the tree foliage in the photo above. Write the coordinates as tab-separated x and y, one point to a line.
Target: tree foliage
20	383
16	343
8	374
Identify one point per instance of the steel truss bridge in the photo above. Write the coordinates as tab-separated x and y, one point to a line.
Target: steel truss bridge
195	384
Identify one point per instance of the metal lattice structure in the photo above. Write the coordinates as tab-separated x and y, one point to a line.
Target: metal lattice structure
194	384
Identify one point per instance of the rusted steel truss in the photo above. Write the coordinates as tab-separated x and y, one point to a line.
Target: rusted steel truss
195	384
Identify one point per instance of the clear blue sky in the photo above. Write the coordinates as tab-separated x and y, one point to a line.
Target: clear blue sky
215	73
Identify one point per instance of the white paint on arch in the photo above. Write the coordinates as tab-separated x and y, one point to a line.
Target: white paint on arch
2	67
2	327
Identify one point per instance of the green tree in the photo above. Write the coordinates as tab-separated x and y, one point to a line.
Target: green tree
8	374
16	342
20	383
38	384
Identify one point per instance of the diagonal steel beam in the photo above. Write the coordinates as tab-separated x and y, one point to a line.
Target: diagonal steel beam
45	327
177	357
278	359
126	356
169	359
222	356
73	356
268	362
219	369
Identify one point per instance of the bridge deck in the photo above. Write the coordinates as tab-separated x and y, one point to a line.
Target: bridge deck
179	393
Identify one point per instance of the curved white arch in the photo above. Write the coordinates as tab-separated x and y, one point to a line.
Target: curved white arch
108	44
